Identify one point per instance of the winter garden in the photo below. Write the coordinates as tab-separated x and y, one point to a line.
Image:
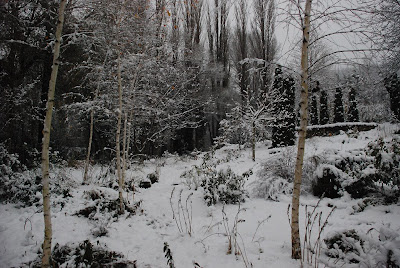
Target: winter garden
199	133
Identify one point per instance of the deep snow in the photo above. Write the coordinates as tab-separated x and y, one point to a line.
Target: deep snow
141	237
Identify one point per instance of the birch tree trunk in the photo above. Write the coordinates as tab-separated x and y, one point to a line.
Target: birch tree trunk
118	136
124	141
253	141
46	258
126	151
127	135
87	162
295	233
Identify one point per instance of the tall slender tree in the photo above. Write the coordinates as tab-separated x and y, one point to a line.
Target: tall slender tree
353	115
240	48
314	120
338	110
283	130
324	112
383	22
219	65
48	233
91	126
392	85
263	41
295	231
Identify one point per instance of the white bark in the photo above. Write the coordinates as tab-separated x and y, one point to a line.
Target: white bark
295	232
253	141
46	258
124	154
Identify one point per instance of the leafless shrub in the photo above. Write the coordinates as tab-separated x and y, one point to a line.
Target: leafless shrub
182	213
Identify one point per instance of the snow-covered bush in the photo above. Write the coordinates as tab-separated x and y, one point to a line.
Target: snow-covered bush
224	186
85	254
231	154
360	172
327	181
340	244
193	177
276	175
102	207
219	186
242	125
353	249
9	163
23	188
387	160
17	184
271	187
282	164
153	177
234	132
344	171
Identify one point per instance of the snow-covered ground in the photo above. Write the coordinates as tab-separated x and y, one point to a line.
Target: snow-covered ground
262	225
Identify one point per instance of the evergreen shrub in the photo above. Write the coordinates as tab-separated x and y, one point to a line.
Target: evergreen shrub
377	248
327	182
374	171
224	186
219	186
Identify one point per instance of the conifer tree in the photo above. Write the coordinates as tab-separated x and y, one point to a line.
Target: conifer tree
353	115
314	120
314	116
324	113
277	87
392	85
338	111
283	131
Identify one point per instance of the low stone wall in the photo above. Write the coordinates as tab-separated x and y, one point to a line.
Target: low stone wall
334	129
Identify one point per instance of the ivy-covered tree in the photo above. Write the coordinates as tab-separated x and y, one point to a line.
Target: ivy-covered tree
392	85
323	109
283	130
338	111
353	115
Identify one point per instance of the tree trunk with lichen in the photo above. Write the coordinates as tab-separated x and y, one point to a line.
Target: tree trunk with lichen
46	258
295	232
